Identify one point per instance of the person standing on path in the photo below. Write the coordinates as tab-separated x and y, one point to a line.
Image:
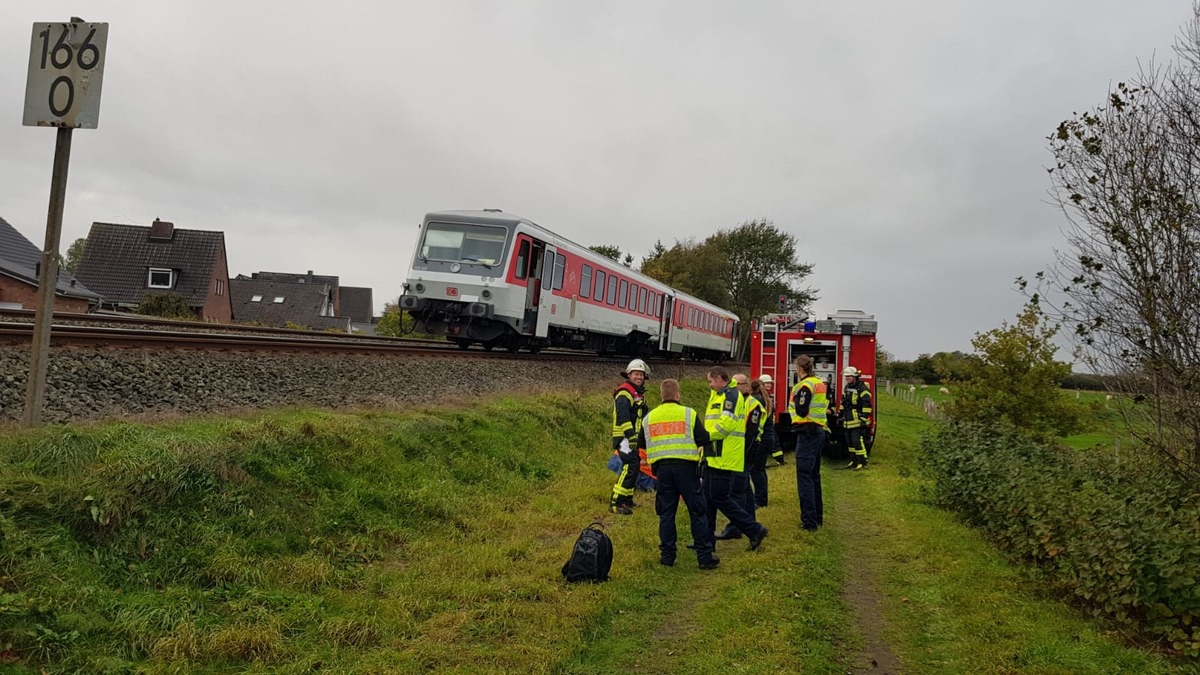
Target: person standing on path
856	412
672	435
807	405
725	421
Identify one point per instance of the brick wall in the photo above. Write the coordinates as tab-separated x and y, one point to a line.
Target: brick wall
12	290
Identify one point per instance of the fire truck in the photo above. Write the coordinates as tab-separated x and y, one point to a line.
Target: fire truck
844	338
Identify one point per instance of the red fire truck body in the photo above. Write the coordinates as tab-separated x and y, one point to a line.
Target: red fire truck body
844	338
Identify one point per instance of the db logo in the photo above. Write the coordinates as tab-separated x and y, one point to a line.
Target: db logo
554	309
452	291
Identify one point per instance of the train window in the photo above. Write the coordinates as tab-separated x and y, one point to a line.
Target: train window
585	282
658	306
463	242
633	291
612	290
642	301
622	296
522	259
548	270
560	267
599	294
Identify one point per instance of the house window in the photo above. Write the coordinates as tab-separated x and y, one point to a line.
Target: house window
160	278
279	299
256	298
220	287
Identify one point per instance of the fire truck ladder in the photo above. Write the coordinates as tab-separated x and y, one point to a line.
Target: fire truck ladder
769	332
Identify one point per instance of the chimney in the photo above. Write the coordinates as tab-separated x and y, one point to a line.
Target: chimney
161	230
310	276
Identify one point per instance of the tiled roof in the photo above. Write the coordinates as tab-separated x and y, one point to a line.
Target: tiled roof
301	304
19	259
356	303
292	277
118	257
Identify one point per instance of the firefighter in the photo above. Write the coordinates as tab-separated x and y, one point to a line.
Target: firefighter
856	414
672	435
807	406
770	437
767	445
629	409
726	421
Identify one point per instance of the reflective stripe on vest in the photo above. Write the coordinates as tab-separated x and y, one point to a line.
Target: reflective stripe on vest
637	409
669	433
817	406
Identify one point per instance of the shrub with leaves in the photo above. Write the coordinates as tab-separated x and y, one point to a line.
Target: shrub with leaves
1123	538
167	305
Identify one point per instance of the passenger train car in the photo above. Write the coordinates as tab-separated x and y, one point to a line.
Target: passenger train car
500	280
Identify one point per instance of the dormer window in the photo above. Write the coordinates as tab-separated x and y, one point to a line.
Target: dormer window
256	298
278	300
161	278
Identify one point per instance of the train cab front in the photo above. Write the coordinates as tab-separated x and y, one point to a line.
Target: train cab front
456	283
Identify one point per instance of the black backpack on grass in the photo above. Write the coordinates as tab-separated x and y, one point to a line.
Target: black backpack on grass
592	556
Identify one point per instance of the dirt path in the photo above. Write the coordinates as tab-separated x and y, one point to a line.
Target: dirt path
860	591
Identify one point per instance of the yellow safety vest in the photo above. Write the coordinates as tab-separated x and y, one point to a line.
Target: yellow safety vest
817	407
753	404
728	432
669	433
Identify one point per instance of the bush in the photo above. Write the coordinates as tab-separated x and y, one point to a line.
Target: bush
166	305
1123	538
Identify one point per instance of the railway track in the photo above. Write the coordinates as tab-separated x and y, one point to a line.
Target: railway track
138	332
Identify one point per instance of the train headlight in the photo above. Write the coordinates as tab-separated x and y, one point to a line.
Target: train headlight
485	294
420	288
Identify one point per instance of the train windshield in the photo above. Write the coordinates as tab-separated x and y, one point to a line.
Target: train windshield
464	243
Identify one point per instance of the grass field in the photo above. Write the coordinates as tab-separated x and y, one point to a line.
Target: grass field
432	541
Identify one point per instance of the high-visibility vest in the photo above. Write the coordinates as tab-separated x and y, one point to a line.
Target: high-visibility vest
817	407
728	433
856	405
669	433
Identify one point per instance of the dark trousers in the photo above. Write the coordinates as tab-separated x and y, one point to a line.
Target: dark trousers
854	444
758	475
719	487
631	466
810	439
679	478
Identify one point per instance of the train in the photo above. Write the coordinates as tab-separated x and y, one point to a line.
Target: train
499	280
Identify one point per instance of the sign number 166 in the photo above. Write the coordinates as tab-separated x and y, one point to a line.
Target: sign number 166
66	64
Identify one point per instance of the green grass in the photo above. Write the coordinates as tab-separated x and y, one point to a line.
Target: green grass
432	540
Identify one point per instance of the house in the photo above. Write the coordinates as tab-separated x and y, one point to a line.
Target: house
20	266
125	262
358	306
272	302
310	279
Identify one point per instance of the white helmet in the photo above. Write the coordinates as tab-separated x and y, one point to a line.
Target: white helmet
636	364
851	371
765	379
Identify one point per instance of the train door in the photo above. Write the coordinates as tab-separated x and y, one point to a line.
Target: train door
545	306
533	289
668	313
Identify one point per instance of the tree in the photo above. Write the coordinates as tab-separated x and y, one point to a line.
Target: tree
1016	379
166	305
654	254
75	255
744	269
614	252
394	322
1127	177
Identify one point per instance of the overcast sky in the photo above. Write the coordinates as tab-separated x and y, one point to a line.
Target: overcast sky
903	143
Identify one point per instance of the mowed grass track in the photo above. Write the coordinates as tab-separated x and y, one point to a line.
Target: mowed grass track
432	541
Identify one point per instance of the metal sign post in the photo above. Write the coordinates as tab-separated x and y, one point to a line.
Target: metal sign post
66	69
